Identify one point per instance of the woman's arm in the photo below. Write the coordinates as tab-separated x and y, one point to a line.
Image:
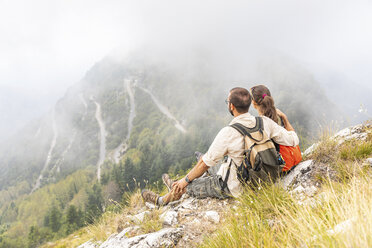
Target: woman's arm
286	123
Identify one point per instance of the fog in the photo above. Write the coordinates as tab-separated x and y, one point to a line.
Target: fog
47	46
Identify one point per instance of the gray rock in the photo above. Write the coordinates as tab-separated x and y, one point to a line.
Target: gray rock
311	191
369	161
123	234
189	203
174	203
150	205
115	239
310	150
298	190
167	237
350	133
139	217
300	168
212	216
169	217
89	244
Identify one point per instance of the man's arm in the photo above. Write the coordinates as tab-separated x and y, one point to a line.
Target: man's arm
279	134
216	151
195	172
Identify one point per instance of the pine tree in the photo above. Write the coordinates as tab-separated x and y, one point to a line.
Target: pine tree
94	206
33	237
129	173
55	219
72	215
81	217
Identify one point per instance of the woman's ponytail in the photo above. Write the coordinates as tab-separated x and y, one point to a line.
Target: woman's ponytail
268	108
262	96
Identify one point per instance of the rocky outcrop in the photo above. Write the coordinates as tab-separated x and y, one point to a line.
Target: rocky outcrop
359	132
167	237
185	223
302	180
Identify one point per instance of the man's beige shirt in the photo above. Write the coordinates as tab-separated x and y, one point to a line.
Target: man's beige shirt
231	143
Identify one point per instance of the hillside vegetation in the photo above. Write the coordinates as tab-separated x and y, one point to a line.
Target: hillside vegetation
325	205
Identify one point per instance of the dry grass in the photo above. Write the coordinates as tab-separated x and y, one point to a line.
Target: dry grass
325	149
151	222
271	217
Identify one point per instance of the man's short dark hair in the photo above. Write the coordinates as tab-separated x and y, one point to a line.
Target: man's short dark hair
241	99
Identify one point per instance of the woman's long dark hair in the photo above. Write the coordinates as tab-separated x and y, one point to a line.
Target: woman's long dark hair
262	96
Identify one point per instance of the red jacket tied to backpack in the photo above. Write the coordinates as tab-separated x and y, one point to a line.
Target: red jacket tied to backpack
291	155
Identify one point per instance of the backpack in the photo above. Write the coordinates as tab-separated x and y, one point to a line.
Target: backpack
261	160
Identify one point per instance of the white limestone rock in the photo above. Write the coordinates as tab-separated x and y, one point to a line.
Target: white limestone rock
350	133
189	203
169	217
89	244
212	216
167	237
298	190
140	217
150	205
310	150
311	191
114	239
287	180
369	161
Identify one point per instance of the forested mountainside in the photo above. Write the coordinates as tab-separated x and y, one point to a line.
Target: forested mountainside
128	121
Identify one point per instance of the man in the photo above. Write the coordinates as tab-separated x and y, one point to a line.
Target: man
227	142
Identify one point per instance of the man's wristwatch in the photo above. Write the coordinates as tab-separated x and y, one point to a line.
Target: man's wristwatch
187	179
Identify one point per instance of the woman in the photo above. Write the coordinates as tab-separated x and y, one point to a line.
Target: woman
264	104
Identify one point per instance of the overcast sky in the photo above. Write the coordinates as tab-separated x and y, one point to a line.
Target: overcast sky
48	45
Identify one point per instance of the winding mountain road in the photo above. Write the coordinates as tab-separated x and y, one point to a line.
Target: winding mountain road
165	111
103	133
132	114
62	158
49	156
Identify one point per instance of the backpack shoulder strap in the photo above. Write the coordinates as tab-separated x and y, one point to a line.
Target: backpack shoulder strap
246	131
224	183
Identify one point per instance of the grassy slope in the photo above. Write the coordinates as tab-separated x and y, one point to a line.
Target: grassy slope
272	217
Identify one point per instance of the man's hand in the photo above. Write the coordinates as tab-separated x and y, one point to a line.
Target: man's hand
180	186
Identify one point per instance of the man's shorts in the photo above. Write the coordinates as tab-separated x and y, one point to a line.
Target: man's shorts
208	186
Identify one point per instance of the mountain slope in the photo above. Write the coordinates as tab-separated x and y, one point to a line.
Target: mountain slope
322	202
149	112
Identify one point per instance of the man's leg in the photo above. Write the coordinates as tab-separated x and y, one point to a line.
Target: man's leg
210	186
212	171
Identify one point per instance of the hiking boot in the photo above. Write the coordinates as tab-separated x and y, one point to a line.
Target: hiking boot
167	181
149	196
